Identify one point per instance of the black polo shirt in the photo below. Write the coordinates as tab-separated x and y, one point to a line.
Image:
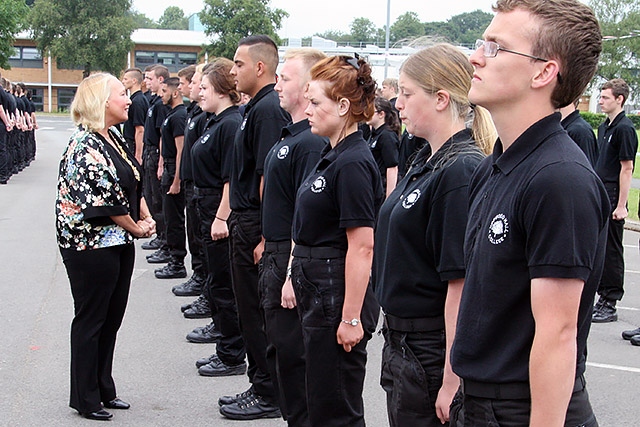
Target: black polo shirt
409	147
582	134
617	141
173	127
4	101
384	143
13	105
196	121
155	117
286	166
344	191
537	210
260	129
137	115
212	153
420	231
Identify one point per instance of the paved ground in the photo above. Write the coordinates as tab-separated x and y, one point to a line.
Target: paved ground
154	366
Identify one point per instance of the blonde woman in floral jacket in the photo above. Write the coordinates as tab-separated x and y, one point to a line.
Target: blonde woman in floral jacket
99	211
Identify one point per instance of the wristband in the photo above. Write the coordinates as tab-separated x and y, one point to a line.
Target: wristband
223	220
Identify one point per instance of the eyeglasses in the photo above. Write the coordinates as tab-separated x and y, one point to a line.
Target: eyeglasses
491	50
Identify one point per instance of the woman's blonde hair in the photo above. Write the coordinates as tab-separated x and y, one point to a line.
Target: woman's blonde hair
444	67
89	105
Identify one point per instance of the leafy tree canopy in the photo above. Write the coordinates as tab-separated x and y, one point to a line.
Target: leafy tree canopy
13	15
228	21
173	19
93	34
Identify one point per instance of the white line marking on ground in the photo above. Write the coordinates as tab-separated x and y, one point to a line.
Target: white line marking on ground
628	308
614	367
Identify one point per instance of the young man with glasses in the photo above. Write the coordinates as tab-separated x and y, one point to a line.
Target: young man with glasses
537	224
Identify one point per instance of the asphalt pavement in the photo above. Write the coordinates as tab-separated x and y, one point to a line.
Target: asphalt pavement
154	364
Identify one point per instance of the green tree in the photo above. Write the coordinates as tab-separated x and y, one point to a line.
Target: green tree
140	20
13	14
230	20
173	19
407	26
362	30
620	24
467	27
93	34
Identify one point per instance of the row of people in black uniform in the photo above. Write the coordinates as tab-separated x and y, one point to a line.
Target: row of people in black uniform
298	218
17	132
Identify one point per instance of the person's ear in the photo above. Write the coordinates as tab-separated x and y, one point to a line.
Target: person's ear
546	75
343	106
442	100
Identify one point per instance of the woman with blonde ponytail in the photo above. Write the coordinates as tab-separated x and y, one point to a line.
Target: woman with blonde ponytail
418	267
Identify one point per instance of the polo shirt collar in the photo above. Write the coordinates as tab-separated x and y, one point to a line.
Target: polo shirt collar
526	143
294	129
462	136
216	118
330	154
570	118
616	120
261	94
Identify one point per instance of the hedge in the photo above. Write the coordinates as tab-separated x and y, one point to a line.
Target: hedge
595	119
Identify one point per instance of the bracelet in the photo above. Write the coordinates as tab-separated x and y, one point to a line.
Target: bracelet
223	220
289	272
145	217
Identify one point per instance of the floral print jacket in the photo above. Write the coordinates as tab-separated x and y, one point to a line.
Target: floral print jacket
88	193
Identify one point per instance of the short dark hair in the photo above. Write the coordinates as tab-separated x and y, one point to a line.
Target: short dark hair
173	82
262	48
187	72
618	88
161	71
569	33
136	74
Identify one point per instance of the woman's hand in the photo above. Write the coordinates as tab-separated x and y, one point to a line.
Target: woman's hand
288	299
144	229
152	225
219	229
349	336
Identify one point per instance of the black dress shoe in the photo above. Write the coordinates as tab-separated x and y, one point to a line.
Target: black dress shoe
191	288
152	245
100	415
199	309
185	307
208	334
205	360
117	403
228	400
250	408
173	270
627	335
606	313
217	368
635	340
160	256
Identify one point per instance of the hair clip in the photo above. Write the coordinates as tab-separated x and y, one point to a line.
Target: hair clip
352	61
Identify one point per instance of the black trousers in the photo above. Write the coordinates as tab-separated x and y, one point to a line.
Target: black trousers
218	289
335	378
151	188
194	234
5	158
244	229
412	369
472	411
285	347
100	281
612	281
173	208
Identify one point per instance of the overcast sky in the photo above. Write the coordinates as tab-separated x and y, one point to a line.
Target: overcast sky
307	17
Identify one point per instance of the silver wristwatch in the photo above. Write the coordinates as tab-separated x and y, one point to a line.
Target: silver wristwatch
352	322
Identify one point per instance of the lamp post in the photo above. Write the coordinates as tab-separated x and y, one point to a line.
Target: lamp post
386	40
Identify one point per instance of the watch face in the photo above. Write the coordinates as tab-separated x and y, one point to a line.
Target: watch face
354	322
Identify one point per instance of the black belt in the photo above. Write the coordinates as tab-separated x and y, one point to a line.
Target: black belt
199	191
516	390
425	324
322	252
283	246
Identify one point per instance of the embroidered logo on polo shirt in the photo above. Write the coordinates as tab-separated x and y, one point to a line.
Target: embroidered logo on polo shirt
498	229
411	199
244	123
374	143
192	124
150	112
165	121
204	139
319	184
283	152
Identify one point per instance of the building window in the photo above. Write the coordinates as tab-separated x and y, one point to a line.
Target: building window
174	61
37	97
25	57
65	96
